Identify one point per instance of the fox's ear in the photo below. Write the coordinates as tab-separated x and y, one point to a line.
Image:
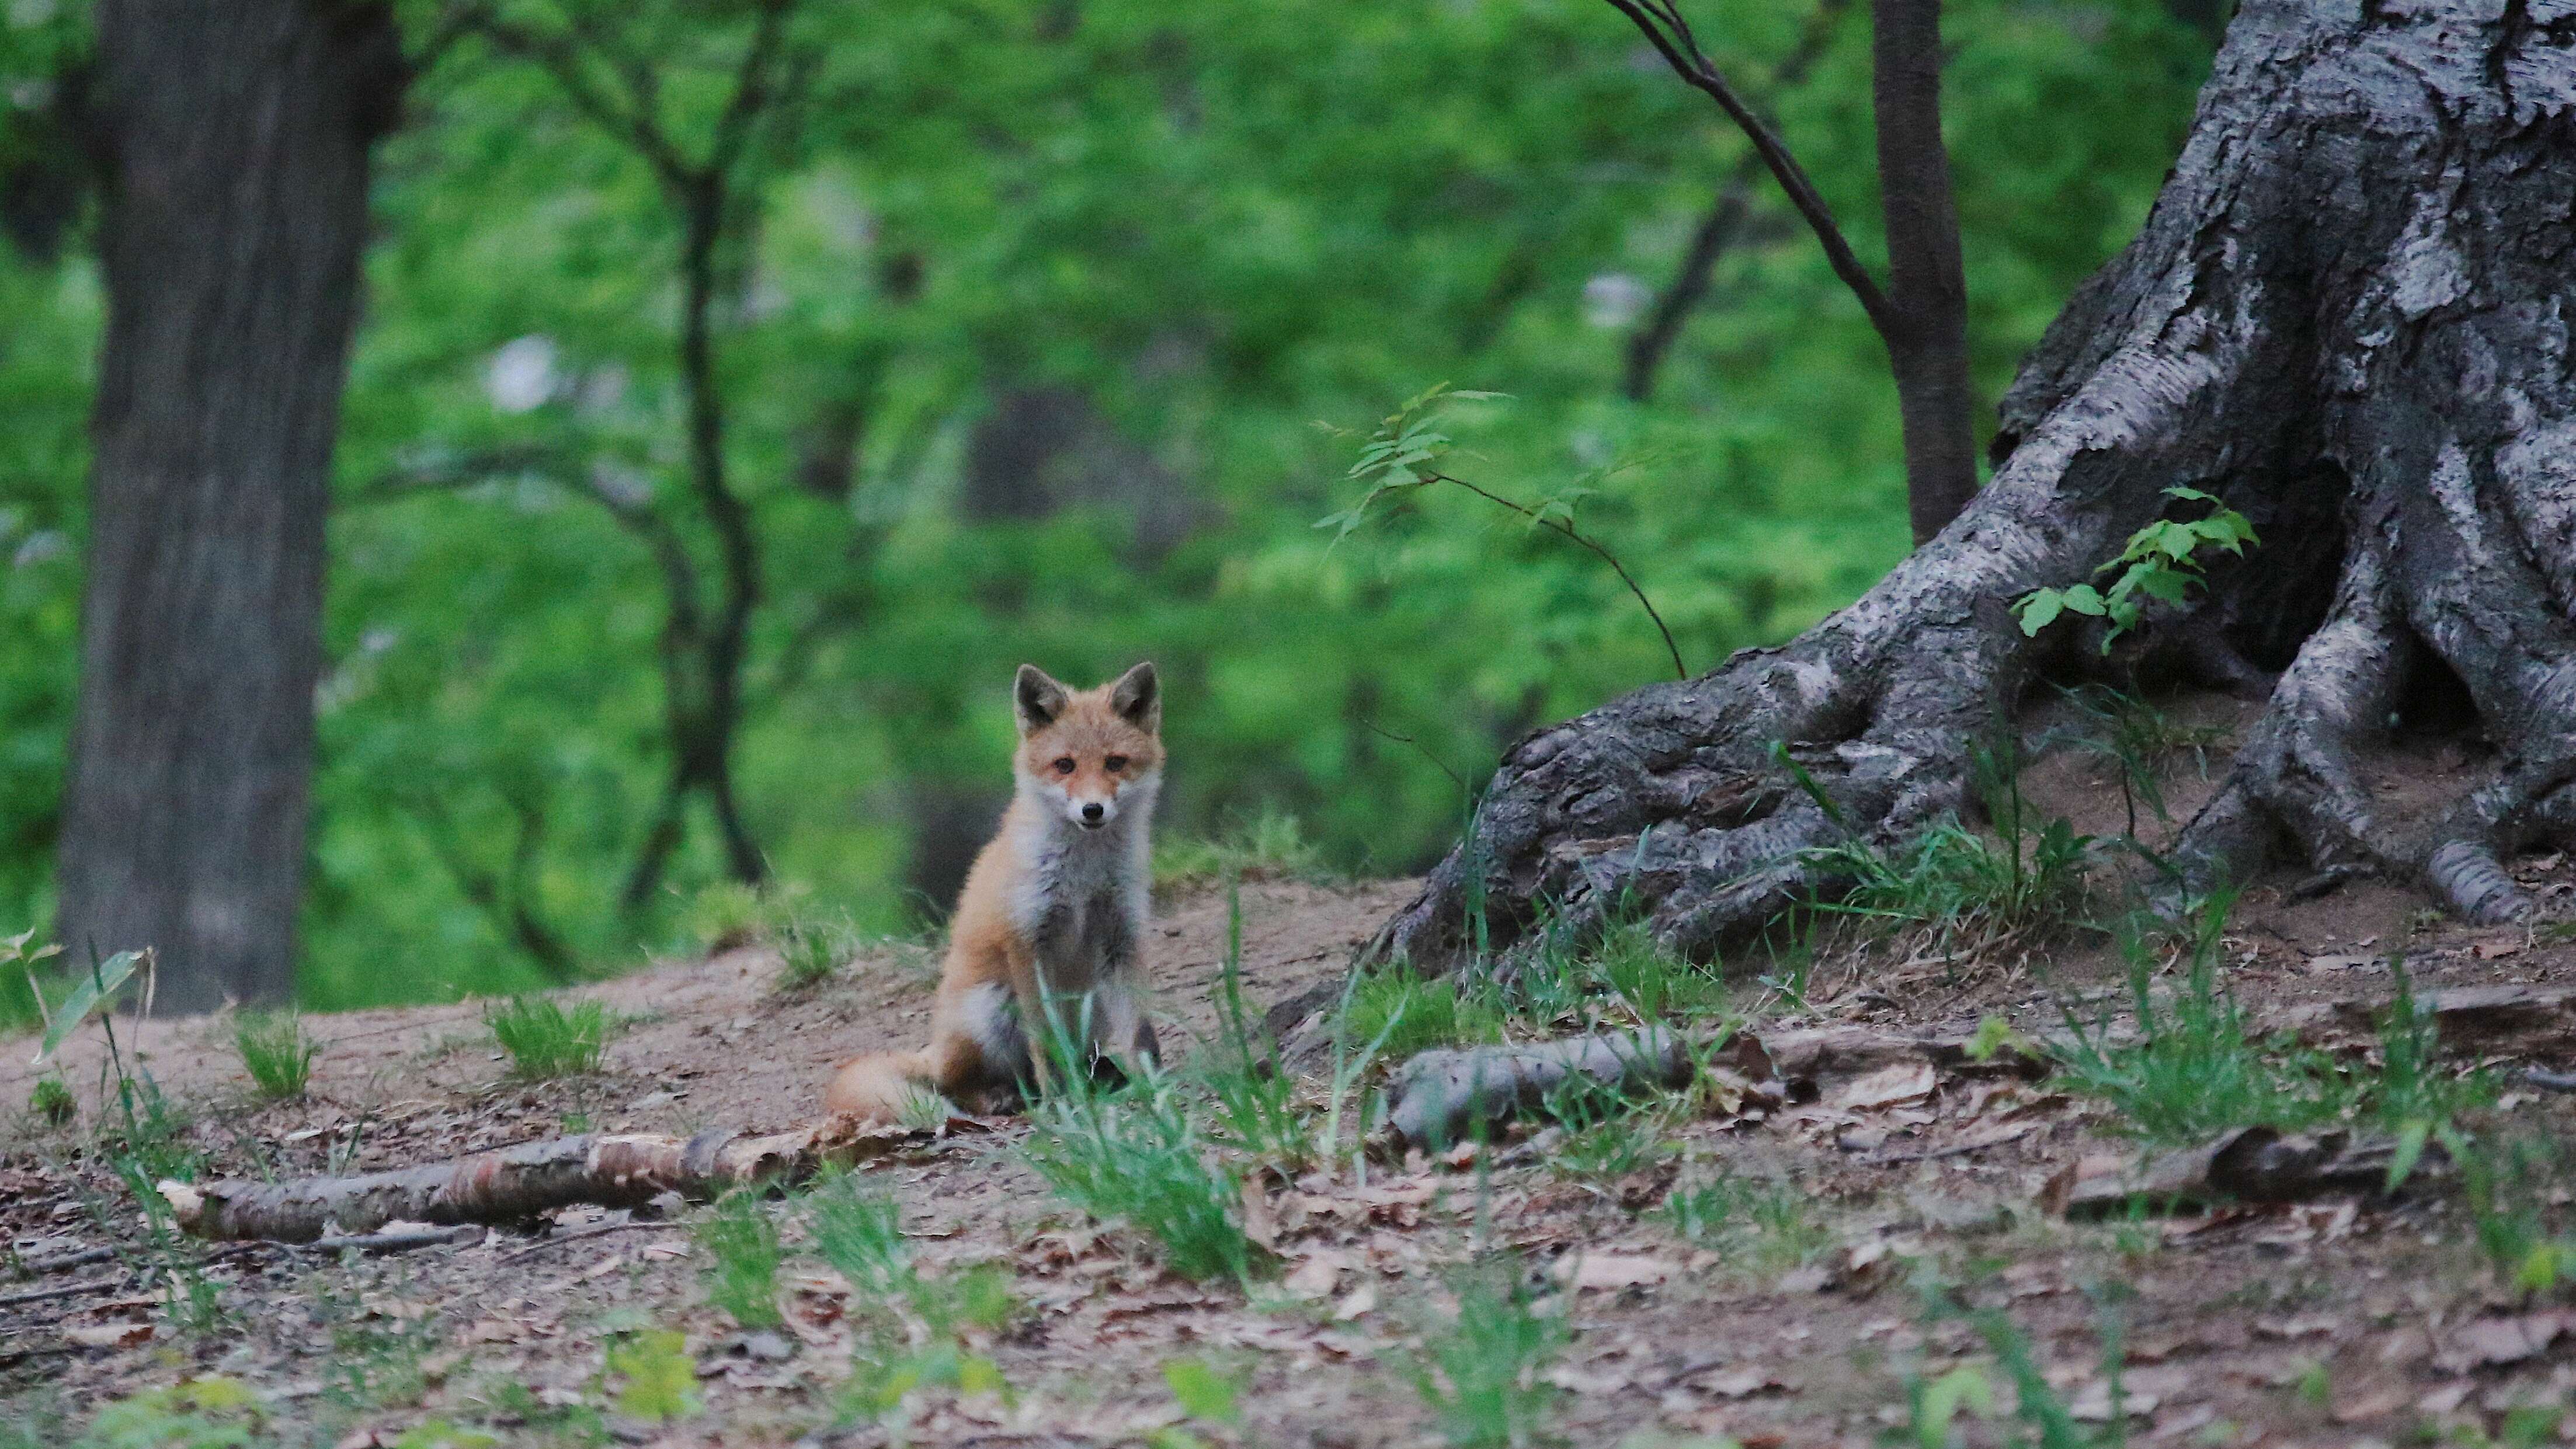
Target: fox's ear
1036	699
1138	698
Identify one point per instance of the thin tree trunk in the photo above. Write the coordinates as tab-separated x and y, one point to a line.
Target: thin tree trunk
1928	345
235	136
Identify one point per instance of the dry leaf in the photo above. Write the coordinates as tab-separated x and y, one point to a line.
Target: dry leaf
1612	1270
1886	1087
1360	1300
109	1335
1314	1278
2486	1342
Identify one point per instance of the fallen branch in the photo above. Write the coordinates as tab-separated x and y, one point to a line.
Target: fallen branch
1445	1096
516	1183
69	1290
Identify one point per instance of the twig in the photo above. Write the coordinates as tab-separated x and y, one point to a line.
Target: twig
81	1259
70	1290
541	1245
2549	1081
1670	34
1680	671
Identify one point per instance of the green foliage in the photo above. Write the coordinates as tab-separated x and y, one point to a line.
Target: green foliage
2047	1420
2194	1068
52	1103
743	1253
660	1382
1270	844
1189	230
1409	1013
277	1053
545	1039
1757	1223
2161	561
213	1412
1482	1374
1606	1135
2512	1189
2136	738
1253	1102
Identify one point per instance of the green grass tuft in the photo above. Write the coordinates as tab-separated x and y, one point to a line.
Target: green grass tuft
277	1053
2194	1069
1137	1156
1757	1223
860	1233
743	1253
1411	1013
1483	1374
812	951
546	1039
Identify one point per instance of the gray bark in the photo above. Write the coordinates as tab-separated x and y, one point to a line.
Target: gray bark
234	139
2348	316
1927	284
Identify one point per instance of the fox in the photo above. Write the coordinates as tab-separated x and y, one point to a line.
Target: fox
1053	915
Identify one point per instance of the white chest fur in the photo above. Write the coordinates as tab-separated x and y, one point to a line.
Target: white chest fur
1081	897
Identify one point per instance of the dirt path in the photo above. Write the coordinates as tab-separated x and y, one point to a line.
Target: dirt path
2334	1321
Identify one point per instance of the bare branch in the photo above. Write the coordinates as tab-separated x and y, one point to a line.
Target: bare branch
1724	223
1664	28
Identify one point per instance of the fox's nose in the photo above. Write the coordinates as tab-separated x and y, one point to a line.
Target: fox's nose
1092	810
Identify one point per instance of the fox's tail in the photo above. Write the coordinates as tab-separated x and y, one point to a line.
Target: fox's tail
886	1087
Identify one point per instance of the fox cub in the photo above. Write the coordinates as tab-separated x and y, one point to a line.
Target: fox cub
1053	911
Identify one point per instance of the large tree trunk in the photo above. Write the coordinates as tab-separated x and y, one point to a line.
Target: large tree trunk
2348	315
235	138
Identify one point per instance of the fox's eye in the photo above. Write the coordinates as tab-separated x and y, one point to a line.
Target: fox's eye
1064	766
1115	763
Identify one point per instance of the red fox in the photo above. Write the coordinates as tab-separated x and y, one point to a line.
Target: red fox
1053	912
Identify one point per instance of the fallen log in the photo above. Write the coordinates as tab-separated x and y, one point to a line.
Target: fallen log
516	1183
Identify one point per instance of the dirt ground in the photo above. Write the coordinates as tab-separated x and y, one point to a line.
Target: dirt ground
2339	1319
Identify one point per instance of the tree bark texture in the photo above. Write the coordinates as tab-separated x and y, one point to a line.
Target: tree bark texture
1927	285
234	137
2348	316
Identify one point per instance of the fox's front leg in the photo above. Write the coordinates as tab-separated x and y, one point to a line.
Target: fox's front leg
1123	1029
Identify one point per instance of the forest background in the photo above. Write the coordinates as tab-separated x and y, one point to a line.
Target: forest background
1022	323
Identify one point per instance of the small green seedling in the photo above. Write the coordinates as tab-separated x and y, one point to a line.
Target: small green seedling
2162	561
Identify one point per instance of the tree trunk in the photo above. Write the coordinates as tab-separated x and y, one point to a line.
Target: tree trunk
235	138
2348	316
1927	287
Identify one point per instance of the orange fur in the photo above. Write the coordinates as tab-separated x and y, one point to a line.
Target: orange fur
1054	908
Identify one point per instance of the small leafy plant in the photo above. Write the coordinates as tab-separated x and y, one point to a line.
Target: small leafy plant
277	1053
743	1252
660	1382
52	1103
2161	561
545	1039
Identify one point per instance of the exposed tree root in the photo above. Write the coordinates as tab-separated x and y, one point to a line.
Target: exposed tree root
2348	316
